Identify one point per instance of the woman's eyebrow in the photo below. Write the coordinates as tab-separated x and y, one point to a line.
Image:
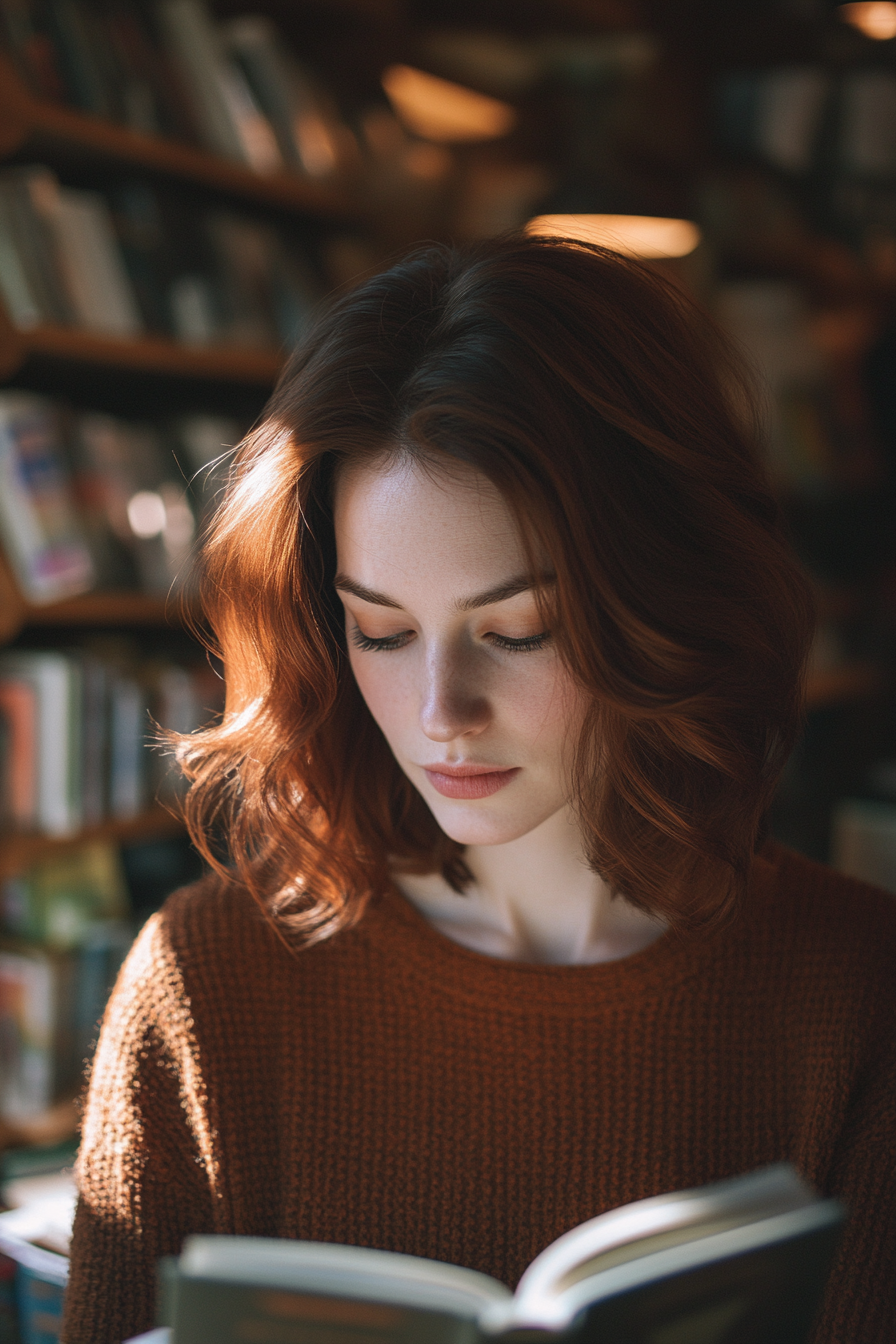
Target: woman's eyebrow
522	583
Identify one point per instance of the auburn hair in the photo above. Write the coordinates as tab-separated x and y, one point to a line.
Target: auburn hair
611	415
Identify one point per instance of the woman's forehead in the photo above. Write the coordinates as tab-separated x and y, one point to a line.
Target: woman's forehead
400	526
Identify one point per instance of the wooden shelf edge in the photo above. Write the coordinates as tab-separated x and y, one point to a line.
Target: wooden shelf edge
110	608
29	123
151	355
18	851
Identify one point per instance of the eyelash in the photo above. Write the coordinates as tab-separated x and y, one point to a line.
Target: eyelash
392	642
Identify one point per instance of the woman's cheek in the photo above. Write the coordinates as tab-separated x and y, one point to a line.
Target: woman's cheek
554	707
381	690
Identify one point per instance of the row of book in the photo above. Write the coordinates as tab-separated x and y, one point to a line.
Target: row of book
77	732
770	320
168	68
66	923
64	931
803	119
88	500
138	259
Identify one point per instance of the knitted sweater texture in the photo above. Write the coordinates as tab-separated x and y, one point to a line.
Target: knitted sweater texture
390	1088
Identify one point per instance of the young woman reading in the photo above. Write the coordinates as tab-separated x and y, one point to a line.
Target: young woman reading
514	650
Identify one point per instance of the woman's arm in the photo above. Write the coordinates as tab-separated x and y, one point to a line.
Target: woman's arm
860	1303
145	1169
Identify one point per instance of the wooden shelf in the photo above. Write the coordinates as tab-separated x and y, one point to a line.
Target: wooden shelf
19	851
110	608
117	609
51	131
153	356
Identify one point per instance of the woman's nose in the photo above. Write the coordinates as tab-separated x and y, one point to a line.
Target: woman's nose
454	703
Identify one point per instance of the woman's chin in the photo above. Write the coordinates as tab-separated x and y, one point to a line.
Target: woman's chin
476	826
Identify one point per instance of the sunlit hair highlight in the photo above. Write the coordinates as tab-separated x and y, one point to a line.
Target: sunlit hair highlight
609	412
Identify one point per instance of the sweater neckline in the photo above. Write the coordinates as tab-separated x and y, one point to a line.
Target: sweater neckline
401	933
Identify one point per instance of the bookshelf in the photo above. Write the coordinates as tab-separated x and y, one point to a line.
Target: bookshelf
155	357
142	378
21	850
47	132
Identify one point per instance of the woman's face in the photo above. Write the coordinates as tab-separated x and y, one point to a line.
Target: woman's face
449	651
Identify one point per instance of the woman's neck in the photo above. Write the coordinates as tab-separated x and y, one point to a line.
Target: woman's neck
535	899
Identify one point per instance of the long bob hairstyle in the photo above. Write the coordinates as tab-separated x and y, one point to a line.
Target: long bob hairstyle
609	412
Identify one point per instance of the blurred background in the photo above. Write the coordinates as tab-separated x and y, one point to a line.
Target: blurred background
182	182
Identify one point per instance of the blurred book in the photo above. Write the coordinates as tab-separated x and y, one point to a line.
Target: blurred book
774	114
309	135
65	932
18	710
141	259
207	443
82	723
53	755
864	841
35	1045
267	292
138	517
58	901
229	118
170	68
68	253
39	525
34	285
867	135
769	320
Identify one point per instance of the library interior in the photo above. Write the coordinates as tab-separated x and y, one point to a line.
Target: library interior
183	184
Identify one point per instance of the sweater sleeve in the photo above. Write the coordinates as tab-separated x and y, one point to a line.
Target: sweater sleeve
145	1167
860	1302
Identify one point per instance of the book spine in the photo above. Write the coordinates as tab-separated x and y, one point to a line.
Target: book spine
868	126
253	45
93	741
98	287
789	116
127	736
22	303
19	708
28	1009
57	739
38	522
30	199
195	44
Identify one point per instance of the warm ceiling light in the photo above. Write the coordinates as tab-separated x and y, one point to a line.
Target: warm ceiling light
438	110
646	236
874	18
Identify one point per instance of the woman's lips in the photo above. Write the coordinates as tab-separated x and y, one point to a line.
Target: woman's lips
468	781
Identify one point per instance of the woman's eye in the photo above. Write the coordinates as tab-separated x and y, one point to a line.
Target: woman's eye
528	645
368	645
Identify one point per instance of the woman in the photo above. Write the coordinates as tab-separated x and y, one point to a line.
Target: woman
514	649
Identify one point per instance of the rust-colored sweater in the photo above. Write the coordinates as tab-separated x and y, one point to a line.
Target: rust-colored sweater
390	1088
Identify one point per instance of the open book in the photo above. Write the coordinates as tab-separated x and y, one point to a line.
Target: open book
733	1263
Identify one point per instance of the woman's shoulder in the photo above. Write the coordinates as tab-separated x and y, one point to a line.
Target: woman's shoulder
830	926
214	925
801	883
